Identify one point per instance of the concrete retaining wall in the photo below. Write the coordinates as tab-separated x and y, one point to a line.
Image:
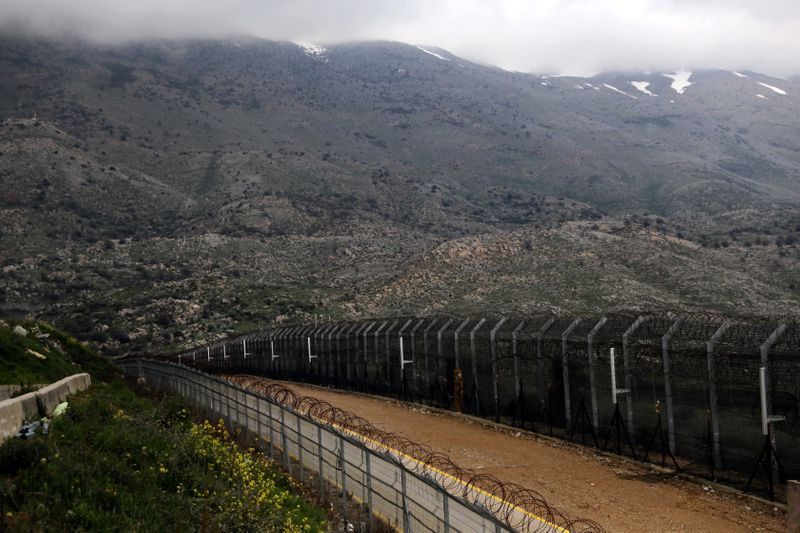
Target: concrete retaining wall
14	412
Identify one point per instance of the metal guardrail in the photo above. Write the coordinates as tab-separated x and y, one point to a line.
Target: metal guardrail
410	487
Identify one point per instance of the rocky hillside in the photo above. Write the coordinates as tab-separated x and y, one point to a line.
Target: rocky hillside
163	191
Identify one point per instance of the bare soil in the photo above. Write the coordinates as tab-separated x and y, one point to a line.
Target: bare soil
618	494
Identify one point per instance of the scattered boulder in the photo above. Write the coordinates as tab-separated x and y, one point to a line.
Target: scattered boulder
19	330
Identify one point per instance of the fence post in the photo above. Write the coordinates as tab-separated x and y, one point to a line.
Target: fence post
344	476
456	349
495	384
628	377
515	355
300	447
284	442
406	512
474	360
771	340
540	362
388	361
712	390
592	365
259	425
440	346
356	329
320	461
446	510
565	371
364	353
793	501
271	431
415	369
332	364
367	454
668	381
425	352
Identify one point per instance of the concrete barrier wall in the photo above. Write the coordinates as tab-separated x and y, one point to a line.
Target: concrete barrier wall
14	412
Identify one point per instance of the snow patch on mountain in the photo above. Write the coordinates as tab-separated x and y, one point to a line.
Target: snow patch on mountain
434	54
772	87
680	80
642	86
738	74
761	96
607	86
314	50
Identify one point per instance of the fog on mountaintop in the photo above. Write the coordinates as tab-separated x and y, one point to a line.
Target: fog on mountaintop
548	36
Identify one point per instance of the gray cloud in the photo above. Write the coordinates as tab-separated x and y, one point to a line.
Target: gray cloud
555	36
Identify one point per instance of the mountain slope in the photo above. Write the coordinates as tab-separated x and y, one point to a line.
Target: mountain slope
178	188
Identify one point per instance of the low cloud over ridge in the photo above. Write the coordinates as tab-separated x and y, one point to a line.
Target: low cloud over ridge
553	36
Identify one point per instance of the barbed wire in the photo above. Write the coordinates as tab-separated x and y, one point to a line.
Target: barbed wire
521	508
738	333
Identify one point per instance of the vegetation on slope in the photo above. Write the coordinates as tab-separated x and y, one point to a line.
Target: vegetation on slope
45	357
120	462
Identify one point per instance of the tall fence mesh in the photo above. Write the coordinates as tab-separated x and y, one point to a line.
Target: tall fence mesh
687	385
412	487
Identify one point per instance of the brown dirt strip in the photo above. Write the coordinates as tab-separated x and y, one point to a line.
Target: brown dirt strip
620	495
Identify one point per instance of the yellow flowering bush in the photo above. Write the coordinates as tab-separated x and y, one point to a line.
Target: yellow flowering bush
256	497
121	462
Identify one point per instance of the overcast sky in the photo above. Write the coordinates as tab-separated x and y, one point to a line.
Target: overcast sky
545	36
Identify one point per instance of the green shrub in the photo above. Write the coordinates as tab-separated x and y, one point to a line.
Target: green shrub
119	462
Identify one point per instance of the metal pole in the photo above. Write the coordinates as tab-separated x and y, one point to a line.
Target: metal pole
446	510
367	454
440	346
626	360
495	384
355	331
456	349
474	360
271	431
565	370
793	503
364	351
388	361
712	390
344	476
320	461
668	381
300	447
514	340
764	350
415	369
592	365
540	362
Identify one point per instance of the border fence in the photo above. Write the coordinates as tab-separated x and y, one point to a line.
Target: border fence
407	485
686	389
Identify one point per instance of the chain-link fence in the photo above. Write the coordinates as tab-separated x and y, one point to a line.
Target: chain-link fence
407	485
687	390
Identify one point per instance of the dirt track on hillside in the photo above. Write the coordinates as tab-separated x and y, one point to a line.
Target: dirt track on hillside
617	494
